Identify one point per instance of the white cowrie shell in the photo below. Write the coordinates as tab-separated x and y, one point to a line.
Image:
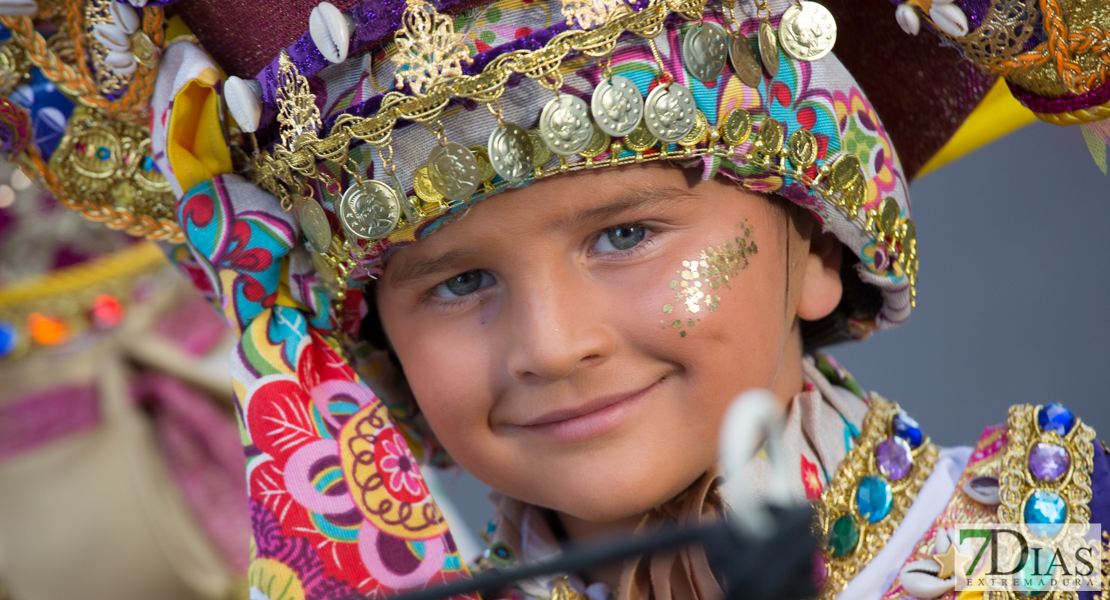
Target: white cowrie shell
243	102
137	3
125	17
920	579
114	38
981	490
950	19
121	62
907	19
18	8
331	31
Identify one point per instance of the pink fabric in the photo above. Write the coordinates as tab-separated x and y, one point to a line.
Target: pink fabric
195	327
42	417
202	450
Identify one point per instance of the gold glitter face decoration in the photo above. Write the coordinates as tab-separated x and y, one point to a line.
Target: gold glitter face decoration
700	277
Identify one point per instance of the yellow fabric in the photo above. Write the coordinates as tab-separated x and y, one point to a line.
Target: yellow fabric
176	28
196	147
997	115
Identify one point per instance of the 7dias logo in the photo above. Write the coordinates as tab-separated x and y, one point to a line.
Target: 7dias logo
1025	558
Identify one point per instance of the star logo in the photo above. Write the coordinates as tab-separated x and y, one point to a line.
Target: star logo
951	562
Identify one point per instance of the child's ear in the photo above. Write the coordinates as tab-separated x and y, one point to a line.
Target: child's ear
821	286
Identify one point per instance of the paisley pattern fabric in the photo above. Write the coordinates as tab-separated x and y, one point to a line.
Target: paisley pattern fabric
338	505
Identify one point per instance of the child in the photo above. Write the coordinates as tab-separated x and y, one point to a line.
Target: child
555	307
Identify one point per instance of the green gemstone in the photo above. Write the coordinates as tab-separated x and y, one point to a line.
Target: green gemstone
843	536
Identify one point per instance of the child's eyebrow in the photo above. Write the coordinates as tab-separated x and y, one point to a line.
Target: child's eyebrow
647	198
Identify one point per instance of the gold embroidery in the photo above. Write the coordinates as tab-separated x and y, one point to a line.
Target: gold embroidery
839	499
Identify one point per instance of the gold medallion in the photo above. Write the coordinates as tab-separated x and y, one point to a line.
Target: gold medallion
844	172
599	143
744	60
854	197
453	171
807	31
769	48
511	151
369	210
698	133
737	127
889	212
803	148
314	224
485	167
640	140
771	136
424	188
705	50
670	112
565	125
540	152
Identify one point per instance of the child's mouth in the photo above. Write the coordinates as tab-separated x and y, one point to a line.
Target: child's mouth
589	420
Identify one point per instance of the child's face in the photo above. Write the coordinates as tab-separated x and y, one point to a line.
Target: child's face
534	337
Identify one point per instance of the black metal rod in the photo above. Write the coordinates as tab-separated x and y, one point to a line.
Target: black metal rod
574	559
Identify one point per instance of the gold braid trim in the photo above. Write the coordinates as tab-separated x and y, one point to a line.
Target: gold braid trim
135	260
839	499
1076	117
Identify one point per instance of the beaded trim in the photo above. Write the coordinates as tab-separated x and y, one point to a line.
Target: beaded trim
1017	482
840	500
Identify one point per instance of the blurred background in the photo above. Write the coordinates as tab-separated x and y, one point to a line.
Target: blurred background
121	467
1013	298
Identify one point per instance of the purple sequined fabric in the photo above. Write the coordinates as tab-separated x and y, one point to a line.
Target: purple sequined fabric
1067	103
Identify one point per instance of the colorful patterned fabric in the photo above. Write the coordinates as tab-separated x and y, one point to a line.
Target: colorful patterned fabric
338	505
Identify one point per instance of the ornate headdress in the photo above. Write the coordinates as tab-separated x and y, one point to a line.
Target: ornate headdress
359	127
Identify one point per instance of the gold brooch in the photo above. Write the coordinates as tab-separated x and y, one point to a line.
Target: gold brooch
428	49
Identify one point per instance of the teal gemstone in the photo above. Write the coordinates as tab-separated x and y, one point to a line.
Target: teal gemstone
843	536
1045	513
874	498
103	153
147	164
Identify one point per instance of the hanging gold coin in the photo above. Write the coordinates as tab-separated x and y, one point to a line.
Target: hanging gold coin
670	112
844	172
771	136
540	152
807	31
889	212
565	124
314	224
454	171
854	197
803	148
599	143
704	51
511	152
485	167
640	140
769	48
698	133
744	60
909	239
369	210
617	106
423	187
737	127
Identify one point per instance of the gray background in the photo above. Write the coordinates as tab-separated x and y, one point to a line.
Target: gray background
1012	296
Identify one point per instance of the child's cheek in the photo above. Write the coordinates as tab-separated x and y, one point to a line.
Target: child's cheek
698	284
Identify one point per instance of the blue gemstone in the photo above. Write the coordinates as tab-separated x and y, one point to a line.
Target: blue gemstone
1045	513
103	153
908	429
874	498
8	338
1055	418
148	163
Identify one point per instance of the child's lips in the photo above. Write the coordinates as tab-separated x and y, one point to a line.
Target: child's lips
591	419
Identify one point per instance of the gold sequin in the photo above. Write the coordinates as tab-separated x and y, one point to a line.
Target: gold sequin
700	277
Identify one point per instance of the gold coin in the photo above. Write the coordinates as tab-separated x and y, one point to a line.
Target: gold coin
424	188
640	139
769	48
803	148
854	197
909	238
485	167
540	152
698	133
599	143
324	269
807	31
888	216
744	59
845	171
771	135
737	127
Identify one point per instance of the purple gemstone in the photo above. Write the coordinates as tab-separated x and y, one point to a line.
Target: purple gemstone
1048	462
894	458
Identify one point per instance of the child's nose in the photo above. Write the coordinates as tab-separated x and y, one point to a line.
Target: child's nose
556	330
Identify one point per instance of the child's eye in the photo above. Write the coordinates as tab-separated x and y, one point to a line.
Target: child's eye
619	238
463	284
